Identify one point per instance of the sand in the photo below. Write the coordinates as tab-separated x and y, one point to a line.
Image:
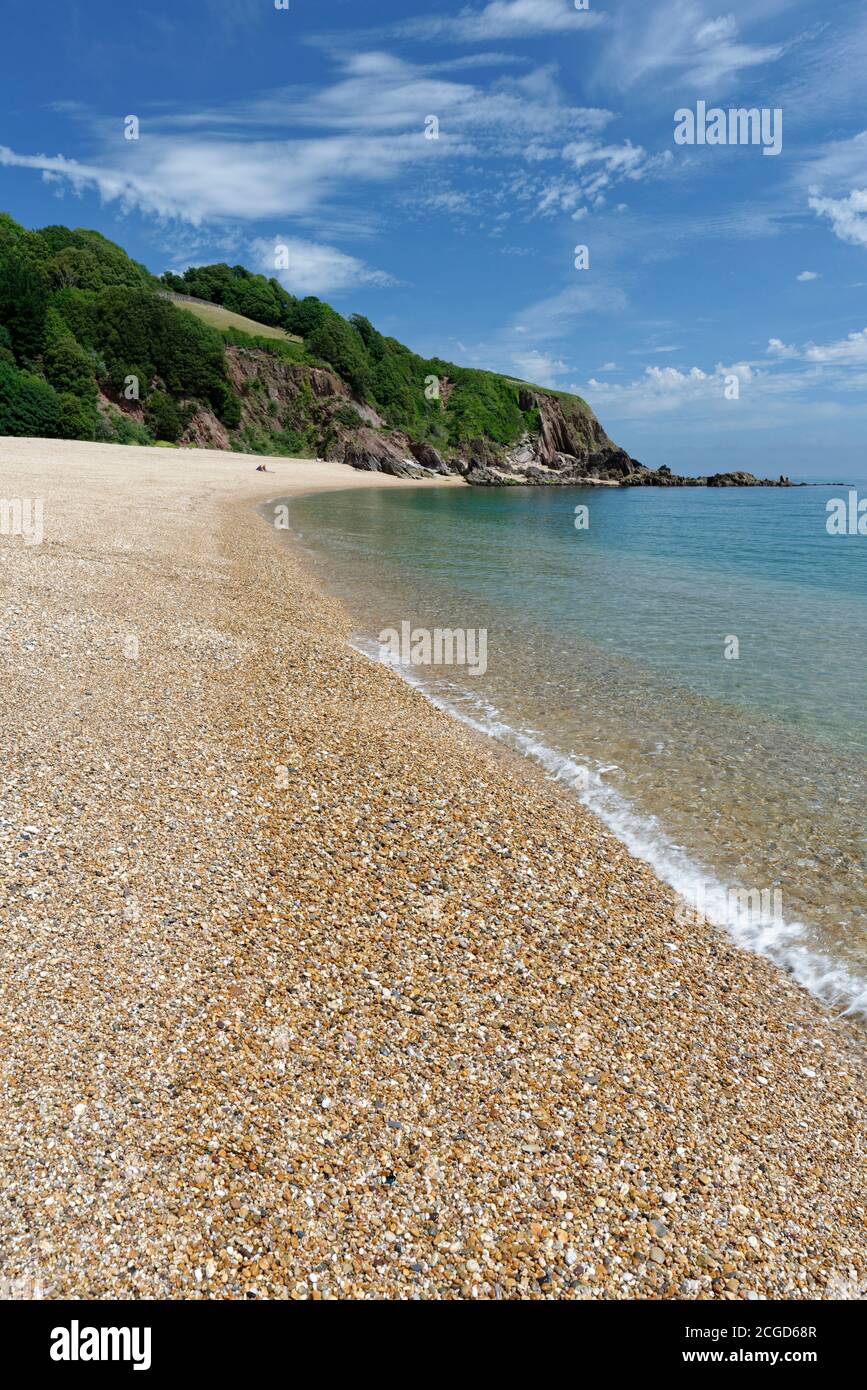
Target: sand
308	992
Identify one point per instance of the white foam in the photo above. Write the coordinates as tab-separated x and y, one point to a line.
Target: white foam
764	933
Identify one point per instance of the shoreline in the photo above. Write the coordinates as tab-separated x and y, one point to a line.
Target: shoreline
831	979
307	994
839	993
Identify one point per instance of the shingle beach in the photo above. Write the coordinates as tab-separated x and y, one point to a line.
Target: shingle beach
310	992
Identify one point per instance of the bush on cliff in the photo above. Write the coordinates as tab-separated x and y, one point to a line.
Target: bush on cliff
163	417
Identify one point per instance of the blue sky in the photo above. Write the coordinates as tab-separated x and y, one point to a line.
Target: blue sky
306	126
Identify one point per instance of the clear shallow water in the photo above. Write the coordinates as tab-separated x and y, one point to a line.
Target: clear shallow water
606	662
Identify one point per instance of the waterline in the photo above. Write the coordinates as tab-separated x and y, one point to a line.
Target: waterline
764	934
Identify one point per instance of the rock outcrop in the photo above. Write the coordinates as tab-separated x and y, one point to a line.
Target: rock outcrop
429	457
383	453
571	447
315	411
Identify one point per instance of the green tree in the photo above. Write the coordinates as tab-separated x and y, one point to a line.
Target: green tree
374	342
395	393
28	405
73	268
163	417
306	315
68	368
23	304
339	345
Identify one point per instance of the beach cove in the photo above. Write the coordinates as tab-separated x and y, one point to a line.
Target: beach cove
404	1020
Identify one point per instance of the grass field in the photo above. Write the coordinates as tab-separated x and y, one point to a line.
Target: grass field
218	317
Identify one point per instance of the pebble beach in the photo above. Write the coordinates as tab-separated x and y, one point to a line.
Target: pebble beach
310	992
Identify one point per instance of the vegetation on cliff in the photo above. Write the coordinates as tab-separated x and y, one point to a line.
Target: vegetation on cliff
92	346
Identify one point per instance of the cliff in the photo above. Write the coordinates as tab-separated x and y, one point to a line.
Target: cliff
283	400
92	346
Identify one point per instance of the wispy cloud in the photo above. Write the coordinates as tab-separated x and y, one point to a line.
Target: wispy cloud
599	166
558	314
505	19
368	127
680	43
539	367
377	92
527	345
197	180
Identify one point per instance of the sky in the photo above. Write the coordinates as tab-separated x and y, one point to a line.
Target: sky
718	318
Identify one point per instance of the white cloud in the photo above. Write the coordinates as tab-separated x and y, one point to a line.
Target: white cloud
795	383
667	390
314	268
599	167
803	380
625	158
777	348
377	92
807	275
539	368
848	216
848	351
521	346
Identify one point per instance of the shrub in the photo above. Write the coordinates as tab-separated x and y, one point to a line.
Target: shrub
163	417
28	405
347	416
78	418
113	427
228	408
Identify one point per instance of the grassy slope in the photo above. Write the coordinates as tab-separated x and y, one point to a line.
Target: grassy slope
217	317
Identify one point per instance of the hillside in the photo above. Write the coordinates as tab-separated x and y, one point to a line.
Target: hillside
94	347
216	316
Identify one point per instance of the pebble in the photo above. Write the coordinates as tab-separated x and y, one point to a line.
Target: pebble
363	1035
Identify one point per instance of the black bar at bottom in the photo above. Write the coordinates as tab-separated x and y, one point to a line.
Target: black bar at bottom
78	1339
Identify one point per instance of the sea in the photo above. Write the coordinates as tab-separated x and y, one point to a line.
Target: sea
690	662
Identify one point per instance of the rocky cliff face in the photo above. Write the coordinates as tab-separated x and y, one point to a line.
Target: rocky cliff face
569	445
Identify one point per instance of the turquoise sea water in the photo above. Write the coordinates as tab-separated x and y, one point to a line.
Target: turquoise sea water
606	661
